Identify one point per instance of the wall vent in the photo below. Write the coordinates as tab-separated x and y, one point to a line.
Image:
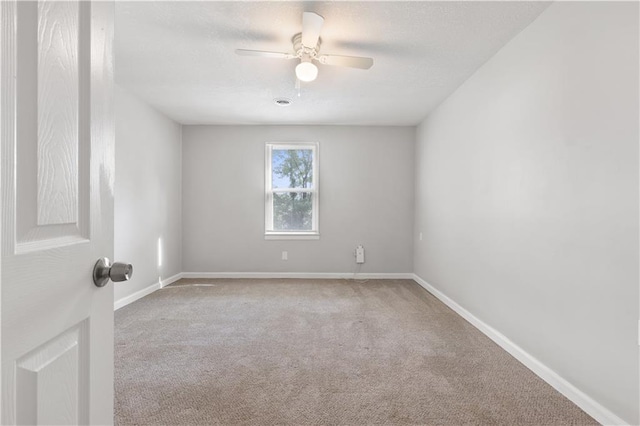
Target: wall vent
282	101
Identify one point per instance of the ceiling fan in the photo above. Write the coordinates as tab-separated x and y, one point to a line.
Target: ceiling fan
306	48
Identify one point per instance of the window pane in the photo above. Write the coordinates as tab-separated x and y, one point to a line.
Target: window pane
292	168
292	211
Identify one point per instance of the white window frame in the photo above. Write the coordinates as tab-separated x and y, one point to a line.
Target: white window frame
269	232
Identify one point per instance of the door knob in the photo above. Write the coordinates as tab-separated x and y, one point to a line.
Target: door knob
104	270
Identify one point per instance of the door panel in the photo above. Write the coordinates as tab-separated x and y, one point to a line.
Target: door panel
57	158
58	109
53	92
52	383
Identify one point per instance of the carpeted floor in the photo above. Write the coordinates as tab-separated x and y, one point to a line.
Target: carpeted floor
317	352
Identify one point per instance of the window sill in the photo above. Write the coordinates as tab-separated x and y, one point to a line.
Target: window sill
292	236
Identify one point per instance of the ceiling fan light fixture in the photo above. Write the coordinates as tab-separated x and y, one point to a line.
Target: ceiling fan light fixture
306	48
306	71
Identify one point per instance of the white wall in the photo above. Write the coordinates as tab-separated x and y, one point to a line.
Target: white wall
366	197
527	195
148	193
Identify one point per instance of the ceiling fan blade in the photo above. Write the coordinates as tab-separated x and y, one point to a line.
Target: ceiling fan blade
278	55
346	61
311	26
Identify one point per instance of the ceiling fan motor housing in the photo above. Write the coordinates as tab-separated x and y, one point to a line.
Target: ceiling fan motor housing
302	51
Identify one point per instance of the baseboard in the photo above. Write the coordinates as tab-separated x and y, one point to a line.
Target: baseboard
145	291
582	400
172	279
301	275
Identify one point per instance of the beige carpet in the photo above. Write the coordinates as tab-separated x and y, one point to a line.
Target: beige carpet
317	352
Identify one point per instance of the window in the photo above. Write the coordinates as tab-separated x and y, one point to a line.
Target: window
291	186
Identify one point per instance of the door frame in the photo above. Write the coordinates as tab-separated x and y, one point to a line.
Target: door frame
7	70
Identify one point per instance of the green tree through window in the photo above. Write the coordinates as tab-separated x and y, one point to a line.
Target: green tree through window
293	210
291	185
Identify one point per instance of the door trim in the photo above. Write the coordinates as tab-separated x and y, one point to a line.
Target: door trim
7	126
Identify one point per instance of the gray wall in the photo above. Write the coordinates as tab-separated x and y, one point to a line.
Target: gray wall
527	196
148	188
366	197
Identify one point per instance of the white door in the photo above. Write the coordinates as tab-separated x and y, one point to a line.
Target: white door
56	124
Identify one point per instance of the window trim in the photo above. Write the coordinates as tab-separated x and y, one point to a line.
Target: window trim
269	233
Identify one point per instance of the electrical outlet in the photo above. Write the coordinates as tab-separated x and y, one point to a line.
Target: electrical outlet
285	255
421	236
360	254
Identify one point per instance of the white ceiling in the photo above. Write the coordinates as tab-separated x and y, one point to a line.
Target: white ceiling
179	57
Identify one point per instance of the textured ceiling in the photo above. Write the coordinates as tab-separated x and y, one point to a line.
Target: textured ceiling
179	57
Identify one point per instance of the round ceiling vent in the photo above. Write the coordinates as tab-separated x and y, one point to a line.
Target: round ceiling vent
282	101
